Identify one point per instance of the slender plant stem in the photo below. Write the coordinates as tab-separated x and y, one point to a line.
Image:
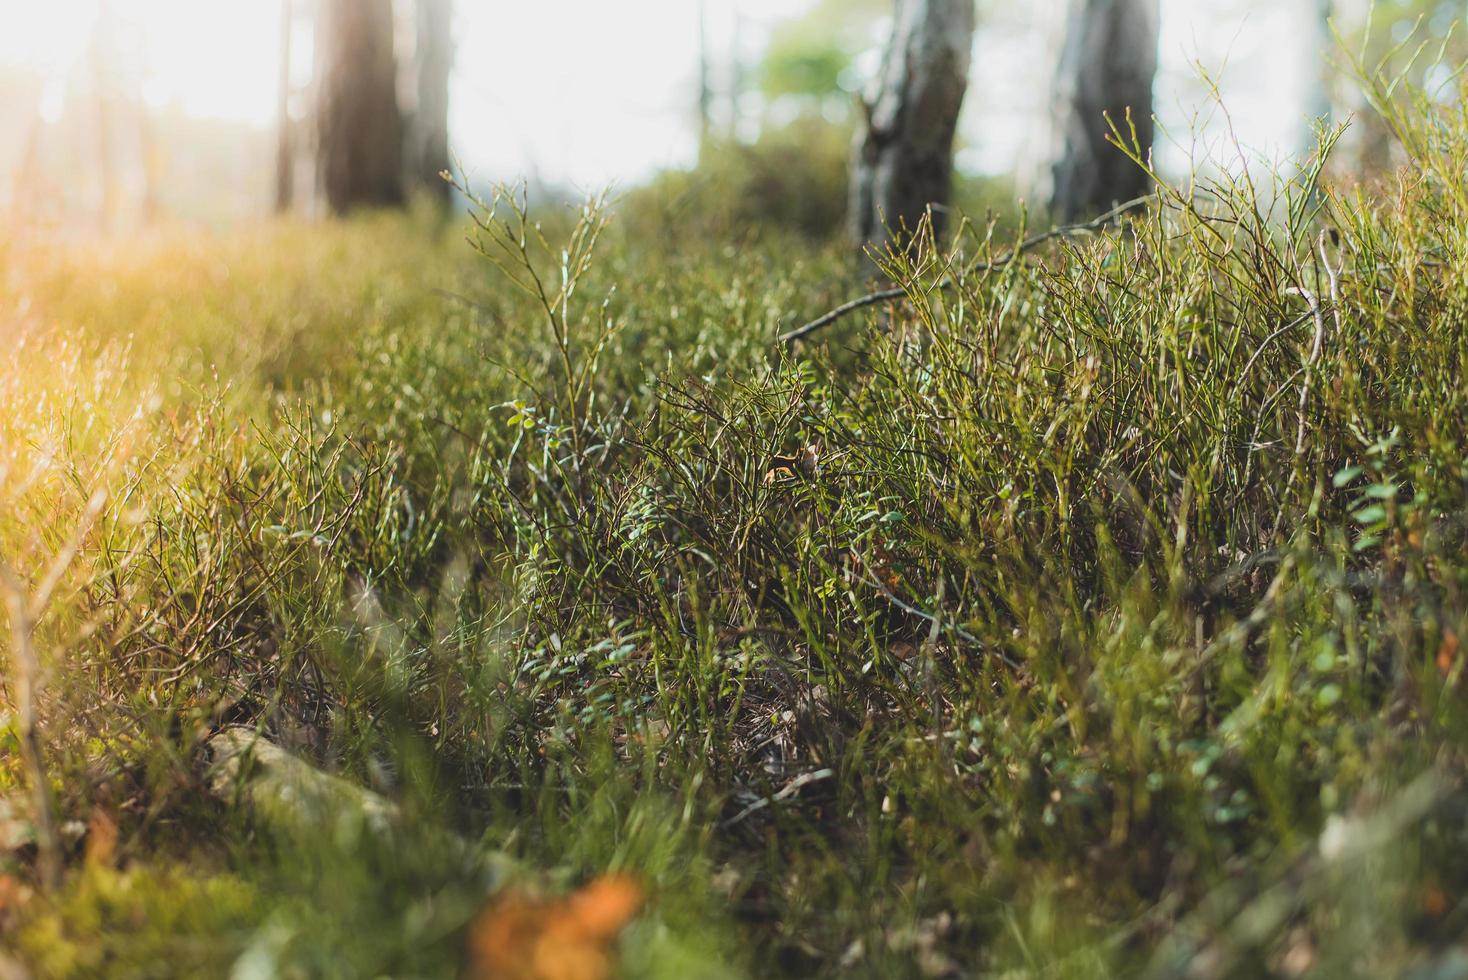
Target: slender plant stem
24	683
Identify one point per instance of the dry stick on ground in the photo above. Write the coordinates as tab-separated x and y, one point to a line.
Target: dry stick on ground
790	789
25	607
887	295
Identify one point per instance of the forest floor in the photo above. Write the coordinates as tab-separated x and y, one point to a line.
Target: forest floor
1094	614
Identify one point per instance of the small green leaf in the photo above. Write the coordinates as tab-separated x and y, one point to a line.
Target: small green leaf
1370	515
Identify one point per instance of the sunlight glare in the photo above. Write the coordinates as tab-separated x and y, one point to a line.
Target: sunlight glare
207	58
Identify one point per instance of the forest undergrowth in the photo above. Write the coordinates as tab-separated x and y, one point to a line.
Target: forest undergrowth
1094	610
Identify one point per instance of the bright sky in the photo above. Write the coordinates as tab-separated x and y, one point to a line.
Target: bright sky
589	91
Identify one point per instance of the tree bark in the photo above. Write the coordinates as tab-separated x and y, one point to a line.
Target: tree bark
434	59
359	144
1107	67
903	160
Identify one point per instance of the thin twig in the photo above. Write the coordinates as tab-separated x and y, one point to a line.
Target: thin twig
789	790
472	304
1261	613
1270	339
25	607
1319	316
958	631
1318	341
26	667
887	295
929	654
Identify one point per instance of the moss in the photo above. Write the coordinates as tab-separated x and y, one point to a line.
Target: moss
140	922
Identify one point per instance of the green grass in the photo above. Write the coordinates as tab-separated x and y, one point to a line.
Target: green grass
1117	631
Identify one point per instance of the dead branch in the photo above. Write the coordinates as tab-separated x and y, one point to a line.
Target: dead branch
887	295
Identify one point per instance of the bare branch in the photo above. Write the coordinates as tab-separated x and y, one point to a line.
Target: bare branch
887	295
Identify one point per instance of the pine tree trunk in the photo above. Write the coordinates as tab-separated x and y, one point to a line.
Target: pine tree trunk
904	156
434	57
1106	68
359	144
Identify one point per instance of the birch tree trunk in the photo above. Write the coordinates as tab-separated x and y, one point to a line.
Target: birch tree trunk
434	59
903	160
1107	66
359	139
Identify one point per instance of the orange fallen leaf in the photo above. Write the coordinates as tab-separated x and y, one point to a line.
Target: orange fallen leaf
519	937
1447	652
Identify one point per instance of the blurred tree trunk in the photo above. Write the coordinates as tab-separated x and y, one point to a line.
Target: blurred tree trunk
359	129
904	155
285	156
1107	66
434	58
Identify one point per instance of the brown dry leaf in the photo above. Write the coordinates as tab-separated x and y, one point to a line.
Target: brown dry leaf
519	937
881	565
903	650
804	463
101	846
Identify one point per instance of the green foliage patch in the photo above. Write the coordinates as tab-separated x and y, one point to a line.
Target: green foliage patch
1093	614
